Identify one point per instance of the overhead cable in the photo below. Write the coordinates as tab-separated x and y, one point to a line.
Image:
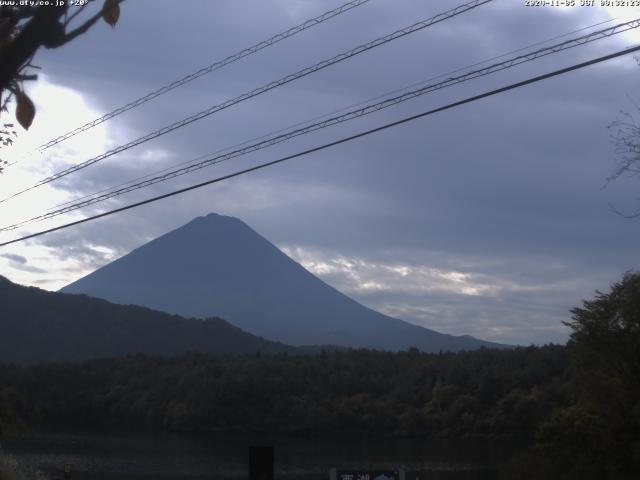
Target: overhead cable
270	86
193	166
312	22
328	114
334	143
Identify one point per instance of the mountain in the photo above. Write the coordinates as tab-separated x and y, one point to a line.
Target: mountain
217	265
39	326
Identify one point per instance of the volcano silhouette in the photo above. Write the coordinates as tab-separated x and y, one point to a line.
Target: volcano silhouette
219	266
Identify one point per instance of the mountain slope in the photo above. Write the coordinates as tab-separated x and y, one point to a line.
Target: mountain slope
217	265
36	325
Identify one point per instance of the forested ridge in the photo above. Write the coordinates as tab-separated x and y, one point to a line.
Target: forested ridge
41	326
577	407
485	392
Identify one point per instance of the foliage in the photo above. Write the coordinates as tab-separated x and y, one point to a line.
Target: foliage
24	28
10	469
598	436
5	416
625	136
480	393
579	404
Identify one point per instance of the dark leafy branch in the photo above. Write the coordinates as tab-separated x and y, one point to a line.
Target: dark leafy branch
23	31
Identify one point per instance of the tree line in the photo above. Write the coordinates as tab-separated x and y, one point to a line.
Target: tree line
577	407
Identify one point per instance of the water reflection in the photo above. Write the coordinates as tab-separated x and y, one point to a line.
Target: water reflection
132	457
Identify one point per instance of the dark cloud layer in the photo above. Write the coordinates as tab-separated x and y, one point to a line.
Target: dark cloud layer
508	188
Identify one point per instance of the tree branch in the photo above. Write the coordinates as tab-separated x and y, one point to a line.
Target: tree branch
87	24
75	14
27	77
40	30
635	214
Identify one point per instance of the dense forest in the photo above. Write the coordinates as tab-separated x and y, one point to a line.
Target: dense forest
577	407
485	392
526	394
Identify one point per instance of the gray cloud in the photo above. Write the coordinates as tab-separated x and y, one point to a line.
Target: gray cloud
14	258
506	190
512	300
20	263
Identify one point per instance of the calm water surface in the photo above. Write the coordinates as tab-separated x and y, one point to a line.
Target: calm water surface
142	457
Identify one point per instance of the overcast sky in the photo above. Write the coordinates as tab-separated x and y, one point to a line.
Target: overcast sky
492	219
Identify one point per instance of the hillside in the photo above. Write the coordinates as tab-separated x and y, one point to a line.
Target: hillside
39	326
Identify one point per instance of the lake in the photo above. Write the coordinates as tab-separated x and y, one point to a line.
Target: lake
141	457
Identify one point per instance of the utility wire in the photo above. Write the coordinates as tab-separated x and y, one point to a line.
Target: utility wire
451	72
312	22
336	142
332	121
176	172
270	86
325	115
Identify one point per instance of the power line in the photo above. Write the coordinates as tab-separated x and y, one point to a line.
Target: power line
334	112
265	88
312	22
336	142
339	119
176	172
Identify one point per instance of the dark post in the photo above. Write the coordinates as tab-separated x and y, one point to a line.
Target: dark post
260	463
